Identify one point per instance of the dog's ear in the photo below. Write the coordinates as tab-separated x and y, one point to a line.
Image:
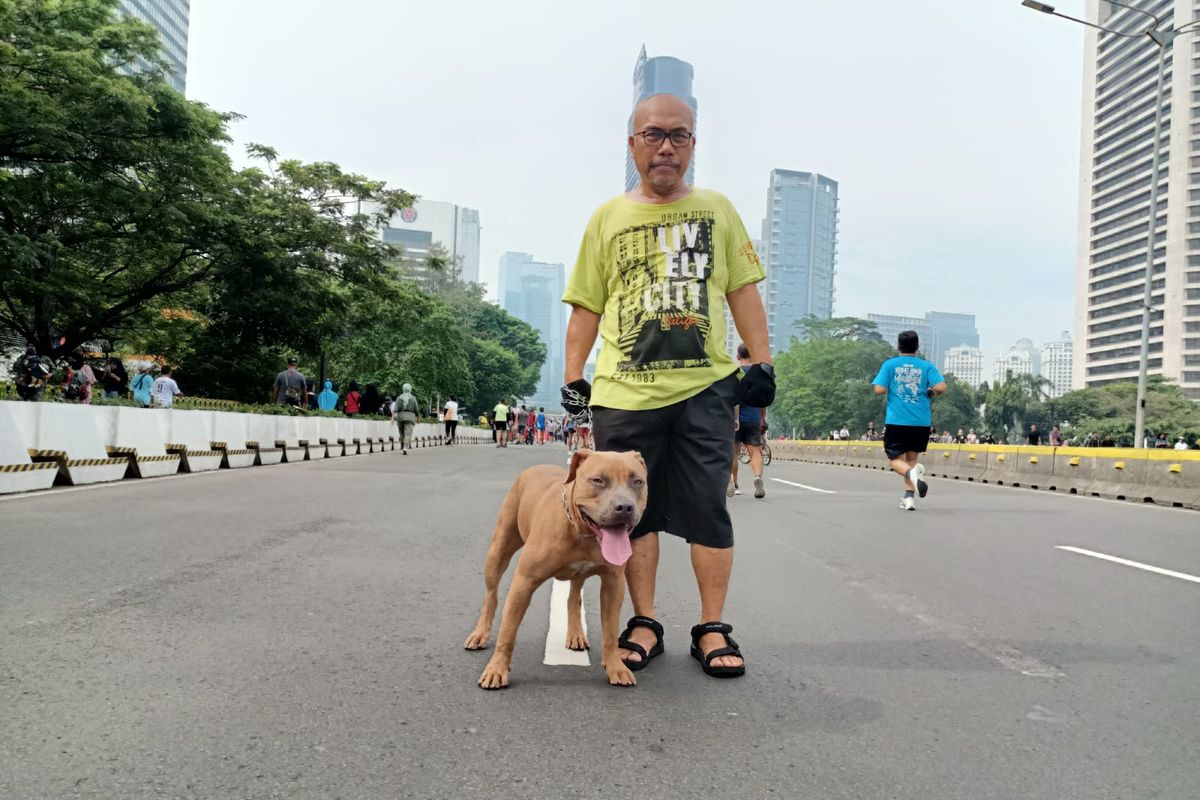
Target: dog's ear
577	459
640	460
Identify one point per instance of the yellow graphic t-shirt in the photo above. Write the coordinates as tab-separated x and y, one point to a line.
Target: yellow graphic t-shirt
658	275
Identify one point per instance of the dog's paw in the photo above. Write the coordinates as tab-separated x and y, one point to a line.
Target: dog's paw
493	677
620	675
577	641
476	641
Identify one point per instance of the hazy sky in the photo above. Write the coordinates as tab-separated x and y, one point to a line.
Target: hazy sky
952	126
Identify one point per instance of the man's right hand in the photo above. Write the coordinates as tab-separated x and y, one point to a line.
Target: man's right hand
576	396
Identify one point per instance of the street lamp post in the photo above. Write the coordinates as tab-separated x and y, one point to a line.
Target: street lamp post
1162	38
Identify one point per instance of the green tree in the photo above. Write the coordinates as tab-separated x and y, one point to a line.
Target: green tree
114	189
956	408
853	328
492	323
497	373
825	383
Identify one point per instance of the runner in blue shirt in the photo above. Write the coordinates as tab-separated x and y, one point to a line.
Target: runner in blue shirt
541	425
910	383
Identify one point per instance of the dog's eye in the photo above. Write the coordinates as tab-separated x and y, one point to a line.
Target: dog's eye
638	482
597	481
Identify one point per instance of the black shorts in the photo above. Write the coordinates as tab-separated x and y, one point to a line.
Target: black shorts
748	433
687	449
901	439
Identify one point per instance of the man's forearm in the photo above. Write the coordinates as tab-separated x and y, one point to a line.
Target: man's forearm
582	330
750	319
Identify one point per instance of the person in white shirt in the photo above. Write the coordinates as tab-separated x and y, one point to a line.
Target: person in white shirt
450	418
1180	444
165	389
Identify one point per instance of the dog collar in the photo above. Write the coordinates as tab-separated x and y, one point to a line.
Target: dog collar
567	511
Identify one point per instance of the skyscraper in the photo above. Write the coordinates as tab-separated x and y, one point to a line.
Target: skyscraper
532	291
799	236
455	227
659	75
890	327
1056	366
1115	172
170	18
1012	364
965	363
939	331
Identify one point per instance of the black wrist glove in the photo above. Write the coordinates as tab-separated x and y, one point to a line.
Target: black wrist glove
757	387
575	397
930	393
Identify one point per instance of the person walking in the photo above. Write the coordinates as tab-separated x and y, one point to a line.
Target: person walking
31	372
165	389
291	387
406	408
327	399
501	414
541	425
1034	437
79	380
910	383
653	268
450	419
748	425
142	385
114	380
372	400
1056	437
353	402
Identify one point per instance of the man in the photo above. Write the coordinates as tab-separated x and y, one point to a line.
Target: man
1034	437
291	388
1181	444
910	383
31	372
522	420
450	420
501	415
143	385
653	267
165	389
406	409
748	425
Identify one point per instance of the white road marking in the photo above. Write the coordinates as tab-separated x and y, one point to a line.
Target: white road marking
804	486
1169	572
557	653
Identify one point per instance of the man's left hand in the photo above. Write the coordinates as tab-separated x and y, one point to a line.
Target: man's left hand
757	387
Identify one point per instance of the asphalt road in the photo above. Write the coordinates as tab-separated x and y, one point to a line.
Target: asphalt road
296	631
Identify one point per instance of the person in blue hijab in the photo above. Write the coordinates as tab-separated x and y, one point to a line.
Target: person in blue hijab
327	399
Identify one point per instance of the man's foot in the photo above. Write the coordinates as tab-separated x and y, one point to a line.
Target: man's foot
727	665
730	488
404	451
737	489
759	491
639	635
917	476
908	504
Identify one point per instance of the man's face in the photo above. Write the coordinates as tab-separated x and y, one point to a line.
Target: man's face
664	165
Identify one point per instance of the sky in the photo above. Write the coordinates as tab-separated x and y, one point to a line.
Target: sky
952	126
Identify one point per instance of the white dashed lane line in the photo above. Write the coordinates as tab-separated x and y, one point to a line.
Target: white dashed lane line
1183	576
804	486
557	653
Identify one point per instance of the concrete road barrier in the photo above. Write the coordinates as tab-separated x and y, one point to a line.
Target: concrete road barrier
190	434
309	432
67	434
18	472
287	439
230	432
1164	477
138	435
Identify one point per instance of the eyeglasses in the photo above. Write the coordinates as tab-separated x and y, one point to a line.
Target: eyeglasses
680	137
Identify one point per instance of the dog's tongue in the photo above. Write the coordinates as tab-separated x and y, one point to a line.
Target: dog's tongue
615	546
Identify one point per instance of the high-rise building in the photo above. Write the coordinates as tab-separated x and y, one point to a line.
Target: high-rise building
1011	365
965	363
1056	367
454	227
170	18
1119	105
659	75
938	331
799	237
532	291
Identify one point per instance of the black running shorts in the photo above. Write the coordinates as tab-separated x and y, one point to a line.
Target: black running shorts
748	433
901	439
687	447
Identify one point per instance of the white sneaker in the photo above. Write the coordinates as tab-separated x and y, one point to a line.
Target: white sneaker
917	476
736	490
759	491
908	504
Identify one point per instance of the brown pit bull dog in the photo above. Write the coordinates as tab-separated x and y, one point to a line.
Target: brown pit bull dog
573	524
